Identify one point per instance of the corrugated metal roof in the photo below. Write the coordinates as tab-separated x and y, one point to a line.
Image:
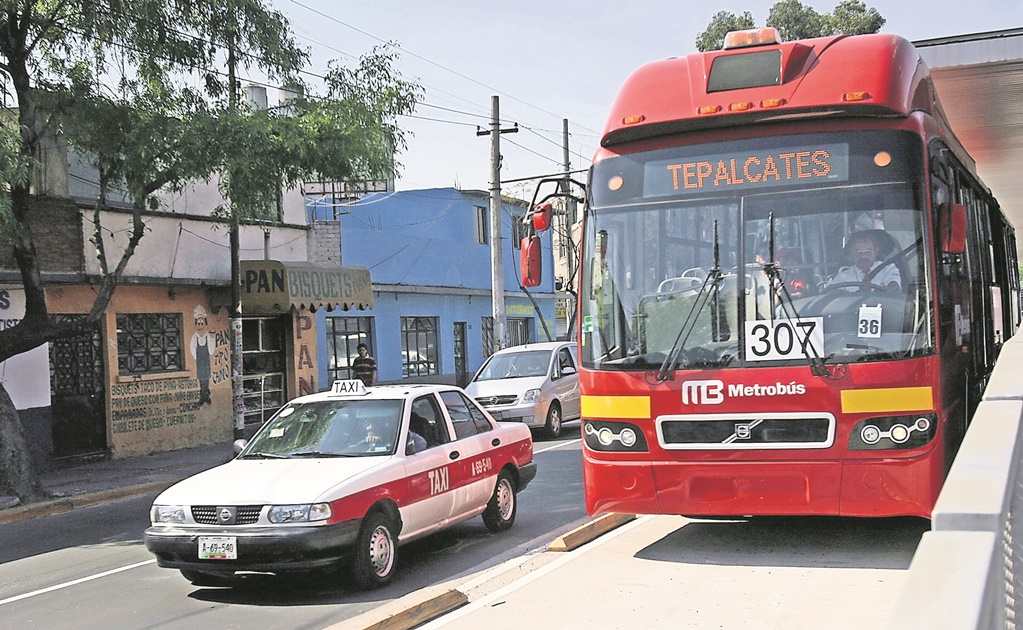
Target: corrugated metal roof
979	79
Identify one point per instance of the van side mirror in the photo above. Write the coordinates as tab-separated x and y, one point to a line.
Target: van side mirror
952	228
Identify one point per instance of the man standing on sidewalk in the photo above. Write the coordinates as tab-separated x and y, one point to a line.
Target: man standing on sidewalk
364	367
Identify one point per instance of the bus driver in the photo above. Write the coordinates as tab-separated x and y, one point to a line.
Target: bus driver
863	250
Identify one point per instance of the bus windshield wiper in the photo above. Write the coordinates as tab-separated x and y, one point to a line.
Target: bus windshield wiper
710	286
779	287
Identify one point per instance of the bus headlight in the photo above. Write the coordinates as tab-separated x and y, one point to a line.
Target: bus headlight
605	436
870	434
628	437
898	433
893	432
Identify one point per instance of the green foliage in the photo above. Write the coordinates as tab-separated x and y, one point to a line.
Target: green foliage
852	17
141	88
795	20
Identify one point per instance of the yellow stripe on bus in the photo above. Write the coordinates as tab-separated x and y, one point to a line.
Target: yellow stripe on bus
615	406
887	400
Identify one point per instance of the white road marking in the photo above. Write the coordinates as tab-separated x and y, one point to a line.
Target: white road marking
558	445
87	578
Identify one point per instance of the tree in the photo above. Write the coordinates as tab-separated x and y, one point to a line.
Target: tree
796	21
137	87
722	22
852	17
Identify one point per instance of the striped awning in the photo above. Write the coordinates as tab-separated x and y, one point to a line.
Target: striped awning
271	286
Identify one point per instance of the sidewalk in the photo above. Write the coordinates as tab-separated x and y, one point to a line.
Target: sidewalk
109	480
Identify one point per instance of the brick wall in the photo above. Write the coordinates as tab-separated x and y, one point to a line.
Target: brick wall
57	230
325	243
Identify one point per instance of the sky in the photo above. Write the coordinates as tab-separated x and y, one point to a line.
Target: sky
546	62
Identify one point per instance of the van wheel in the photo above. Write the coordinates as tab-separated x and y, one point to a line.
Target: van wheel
375	552
500	512
553	425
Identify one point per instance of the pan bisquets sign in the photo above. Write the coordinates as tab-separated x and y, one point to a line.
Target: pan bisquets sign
270	286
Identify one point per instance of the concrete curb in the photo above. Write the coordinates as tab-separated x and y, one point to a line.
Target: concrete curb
66	504
407	612
425	605
582	535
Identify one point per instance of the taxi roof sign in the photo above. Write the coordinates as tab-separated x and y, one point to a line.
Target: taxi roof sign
351	386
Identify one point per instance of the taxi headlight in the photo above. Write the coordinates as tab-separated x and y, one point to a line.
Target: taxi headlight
167	514
531	396
299	513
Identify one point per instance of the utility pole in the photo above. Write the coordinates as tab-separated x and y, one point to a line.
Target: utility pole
237	386
569	204
496	245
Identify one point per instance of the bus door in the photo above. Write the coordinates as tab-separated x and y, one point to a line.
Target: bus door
954	308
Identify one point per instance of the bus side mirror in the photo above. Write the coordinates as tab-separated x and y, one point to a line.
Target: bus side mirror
952	227
529	261
542	216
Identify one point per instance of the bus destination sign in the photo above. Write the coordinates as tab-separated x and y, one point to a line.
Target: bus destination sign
748	169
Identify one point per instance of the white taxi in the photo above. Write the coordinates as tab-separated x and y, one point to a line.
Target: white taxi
340	479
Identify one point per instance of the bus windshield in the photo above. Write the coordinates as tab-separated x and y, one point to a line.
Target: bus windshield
771	251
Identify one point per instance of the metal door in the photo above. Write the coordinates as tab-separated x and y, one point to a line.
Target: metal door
77	394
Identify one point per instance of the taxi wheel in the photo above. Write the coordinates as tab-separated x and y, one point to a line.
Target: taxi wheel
373	564
553	426
500	512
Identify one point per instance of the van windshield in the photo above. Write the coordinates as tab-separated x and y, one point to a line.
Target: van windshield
515	365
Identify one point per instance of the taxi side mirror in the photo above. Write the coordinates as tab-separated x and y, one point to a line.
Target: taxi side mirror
240	445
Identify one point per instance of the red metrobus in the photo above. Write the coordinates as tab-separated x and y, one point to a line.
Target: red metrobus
793	285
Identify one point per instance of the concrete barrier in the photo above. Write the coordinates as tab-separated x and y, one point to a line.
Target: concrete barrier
967	572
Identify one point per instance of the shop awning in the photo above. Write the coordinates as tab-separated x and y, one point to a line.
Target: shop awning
270	286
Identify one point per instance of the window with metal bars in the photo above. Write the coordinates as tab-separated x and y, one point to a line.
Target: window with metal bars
149	343
344	334
419	347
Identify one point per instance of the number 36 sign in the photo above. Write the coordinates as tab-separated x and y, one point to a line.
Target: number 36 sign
784	339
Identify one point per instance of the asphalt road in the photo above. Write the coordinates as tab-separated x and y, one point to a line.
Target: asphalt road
89	568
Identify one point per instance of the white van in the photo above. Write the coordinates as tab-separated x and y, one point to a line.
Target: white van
536	384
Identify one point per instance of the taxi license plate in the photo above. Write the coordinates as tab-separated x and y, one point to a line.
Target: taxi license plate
218	548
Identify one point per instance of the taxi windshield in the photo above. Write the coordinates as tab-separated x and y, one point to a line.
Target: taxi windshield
333	428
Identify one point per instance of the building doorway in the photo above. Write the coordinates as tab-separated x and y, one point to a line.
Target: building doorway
263	369
77	394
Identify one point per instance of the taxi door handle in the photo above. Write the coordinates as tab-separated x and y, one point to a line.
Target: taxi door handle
453	455
495	441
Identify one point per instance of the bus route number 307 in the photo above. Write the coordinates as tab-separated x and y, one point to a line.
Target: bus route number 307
784	339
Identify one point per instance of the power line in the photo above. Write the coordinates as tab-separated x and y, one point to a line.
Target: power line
422	58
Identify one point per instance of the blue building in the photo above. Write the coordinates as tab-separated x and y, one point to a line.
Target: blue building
428	252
